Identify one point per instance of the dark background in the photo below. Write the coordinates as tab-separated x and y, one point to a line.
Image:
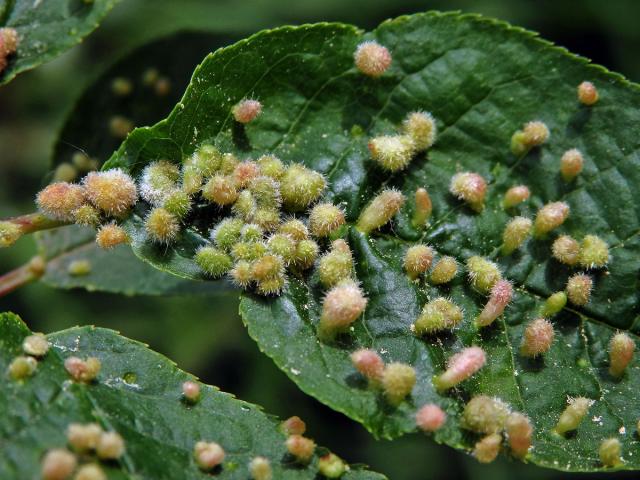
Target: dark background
205	335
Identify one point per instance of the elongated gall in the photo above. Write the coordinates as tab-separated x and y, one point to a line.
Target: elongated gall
483	274
553	304
573	415
487	449
392	152
342	305
423	208
550	217
501	294
515	234
461	366
421	127
621	348
610	452
380	210
571	164
515	196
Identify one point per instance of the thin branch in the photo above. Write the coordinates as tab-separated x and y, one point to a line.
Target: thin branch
22	275
12	229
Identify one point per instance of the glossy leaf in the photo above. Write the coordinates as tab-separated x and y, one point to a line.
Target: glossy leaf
48	28
482	80
138	394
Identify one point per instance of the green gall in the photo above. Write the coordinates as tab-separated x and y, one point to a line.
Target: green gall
342	306
251	232
158	179
271	166
272	286
267	267
610	452
260	469
553	304
621	348
266	192
208	455
549	217
306	254
293	426
300	187
58	464
90	471
212	261
65	172
245	205
161	226
178	203
423	209
267	218
84	437
587	94
487	449
518	143
571	164
206	160
573	415
241	274
372	59
22	367
594	252
515	196
36	345
121	86
369	364
535	133
86	215
398	380
301	448
515	234
248	251
460	367
437	315
444	271
579	289
484	414
84	371
282	245
191	391
221	190
566	250
332	466
470	188
295	228
430	418
519	432
227	233
59	200
228	163
537	338
501	295
421	127
417	260
111	235
112	191
380	210
9	234
120	126
191	180
483	274
335	265
246	110
324	219
392	152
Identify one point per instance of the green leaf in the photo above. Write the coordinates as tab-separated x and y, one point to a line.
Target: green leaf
46	29
86	130
482	80
138	394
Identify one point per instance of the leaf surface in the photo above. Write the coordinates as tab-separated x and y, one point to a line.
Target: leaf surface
482	80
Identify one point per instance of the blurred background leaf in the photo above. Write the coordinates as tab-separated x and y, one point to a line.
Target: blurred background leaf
204	335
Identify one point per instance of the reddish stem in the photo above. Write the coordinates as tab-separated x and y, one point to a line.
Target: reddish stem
22	275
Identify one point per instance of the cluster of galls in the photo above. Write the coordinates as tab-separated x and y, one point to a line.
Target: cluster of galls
89	443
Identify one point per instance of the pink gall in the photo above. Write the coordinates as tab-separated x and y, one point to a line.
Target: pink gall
59	200
571	164
430	418
501	294
301	448
519	432
621	349
58	464
423	208
579	288
460	367
293	426
537	338
342	305
191	391
372	59
550	217
208	455
515	196
84	371
368	363
417	260
246	110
